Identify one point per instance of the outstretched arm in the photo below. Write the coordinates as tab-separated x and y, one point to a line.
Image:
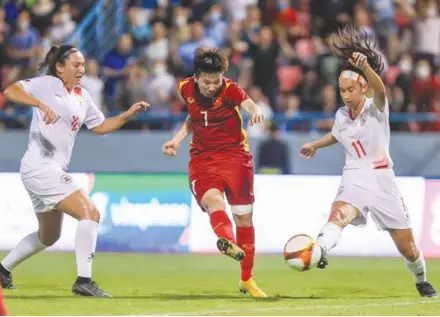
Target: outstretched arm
254	110
374	81
308	150
184	131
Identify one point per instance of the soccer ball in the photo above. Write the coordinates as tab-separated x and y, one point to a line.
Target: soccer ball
302	252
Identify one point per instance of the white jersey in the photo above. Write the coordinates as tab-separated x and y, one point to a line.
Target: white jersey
51	145
366	138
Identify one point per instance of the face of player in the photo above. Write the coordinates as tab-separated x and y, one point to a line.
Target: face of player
73	69
209	83
352	92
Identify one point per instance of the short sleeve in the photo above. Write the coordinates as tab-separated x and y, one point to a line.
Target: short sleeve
94	116
237	94
376	112
35	86
336	128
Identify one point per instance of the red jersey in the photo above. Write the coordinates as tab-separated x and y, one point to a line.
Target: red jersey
216	122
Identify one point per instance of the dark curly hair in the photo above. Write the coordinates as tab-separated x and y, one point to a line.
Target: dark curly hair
351	42
210	60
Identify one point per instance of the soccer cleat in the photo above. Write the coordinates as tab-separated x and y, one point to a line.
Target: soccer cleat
90	288
323	262
251	287
230	249
425	289
6	280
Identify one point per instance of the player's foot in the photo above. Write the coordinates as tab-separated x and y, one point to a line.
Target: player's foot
426	289
88	288
230	249
6	278
251	287
323	262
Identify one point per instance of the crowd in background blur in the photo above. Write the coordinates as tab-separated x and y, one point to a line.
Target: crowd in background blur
279	52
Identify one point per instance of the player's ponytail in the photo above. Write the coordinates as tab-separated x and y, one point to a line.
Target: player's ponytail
55	55
351	42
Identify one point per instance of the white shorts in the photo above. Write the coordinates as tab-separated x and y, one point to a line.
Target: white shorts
47	187
374	192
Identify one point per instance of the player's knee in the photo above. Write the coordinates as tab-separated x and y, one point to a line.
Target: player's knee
213	202
49	238
90	213
410	252
339	217
242	215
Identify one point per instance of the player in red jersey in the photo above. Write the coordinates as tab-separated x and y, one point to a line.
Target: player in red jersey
2	305
221	163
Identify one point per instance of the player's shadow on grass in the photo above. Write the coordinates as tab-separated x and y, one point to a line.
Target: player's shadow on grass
177	297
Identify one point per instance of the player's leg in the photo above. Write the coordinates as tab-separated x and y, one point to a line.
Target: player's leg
342	214
240	192
3	311
79	206
213	203
414	260
49	231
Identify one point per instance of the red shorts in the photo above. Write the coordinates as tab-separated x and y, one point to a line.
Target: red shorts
231	173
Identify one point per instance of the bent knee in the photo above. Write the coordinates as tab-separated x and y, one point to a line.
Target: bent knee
91	213
410	252
213	201
343	214
49	239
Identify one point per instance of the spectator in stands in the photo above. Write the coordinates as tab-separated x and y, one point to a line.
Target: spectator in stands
424	87
115	66
216	25
42	12
158	48
258	130
264	53
93	83
63	25
22	46
188	48
137	27
160	88
329	101
273	154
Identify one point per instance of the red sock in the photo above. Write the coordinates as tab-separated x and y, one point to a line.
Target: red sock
2	305
246	241
222	226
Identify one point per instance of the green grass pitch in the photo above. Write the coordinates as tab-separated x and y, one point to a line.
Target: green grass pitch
207	285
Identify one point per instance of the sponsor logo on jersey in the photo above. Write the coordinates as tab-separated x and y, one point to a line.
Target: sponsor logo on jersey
190	100
66	179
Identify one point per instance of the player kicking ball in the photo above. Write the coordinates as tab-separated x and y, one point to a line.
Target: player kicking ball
368	182
221	163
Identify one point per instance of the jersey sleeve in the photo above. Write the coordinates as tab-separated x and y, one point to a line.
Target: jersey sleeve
336	128
35	86
94	116
376	112
236	94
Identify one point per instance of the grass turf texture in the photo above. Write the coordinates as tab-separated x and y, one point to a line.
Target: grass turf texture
207	285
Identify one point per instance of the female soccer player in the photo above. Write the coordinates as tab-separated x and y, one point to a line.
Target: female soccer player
221	164
368	182
61	106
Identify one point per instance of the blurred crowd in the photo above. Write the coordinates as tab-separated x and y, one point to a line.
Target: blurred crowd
279	52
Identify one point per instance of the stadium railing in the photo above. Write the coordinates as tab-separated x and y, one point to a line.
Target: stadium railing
310	118
99	30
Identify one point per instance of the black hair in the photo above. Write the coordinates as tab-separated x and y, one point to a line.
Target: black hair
56	55
351	42
210	60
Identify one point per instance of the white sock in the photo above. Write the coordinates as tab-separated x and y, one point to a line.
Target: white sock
417	268
85	245
329	236
29	246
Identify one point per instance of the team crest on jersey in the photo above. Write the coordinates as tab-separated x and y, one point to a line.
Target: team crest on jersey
217	101
365	209
66	179
190	100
